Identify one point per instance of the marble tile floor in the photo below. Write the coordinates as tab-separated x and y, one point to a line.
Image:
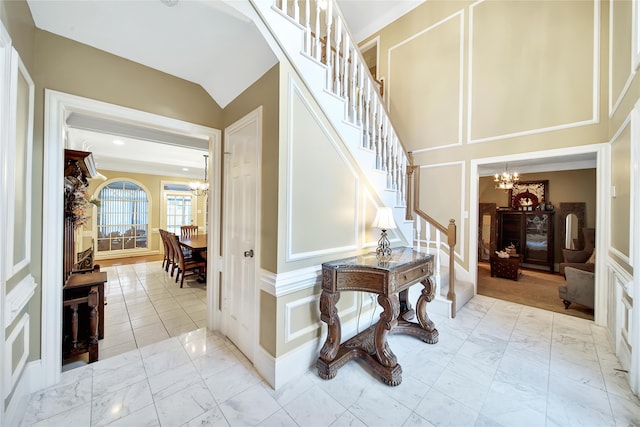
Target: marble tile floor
496	364
145	305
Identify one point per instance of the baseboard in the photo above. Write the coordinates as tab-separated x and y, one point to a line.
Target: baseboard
30	382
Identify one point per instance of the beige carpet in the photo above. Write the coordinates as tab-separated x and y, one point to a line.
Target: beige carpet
533	288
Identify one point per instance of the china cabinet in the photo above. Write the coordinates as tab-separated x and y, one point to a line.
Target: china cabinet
531	232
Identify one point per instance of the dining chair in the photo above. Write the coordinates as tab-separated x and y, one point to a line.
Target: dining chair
188	230
165	244
185	263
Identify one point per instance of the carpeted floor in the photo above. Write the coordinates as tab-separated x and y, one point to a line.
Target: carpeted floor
533	288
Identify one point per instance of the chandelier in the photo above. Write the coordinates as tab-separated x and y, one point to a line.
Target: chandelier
506	179
201	188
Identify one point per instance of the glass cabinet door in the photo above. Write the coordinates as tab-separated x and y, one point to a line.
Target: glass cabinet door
537	231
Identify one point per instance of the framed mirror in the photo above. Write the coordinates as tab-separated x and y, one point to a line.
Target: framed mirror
486	230
572	221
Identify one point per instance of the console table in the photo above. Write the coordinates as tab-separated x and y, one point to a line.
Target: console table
391	280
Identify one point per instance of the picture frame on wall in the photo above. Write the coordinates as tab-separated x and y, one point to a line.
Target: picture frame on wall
529	195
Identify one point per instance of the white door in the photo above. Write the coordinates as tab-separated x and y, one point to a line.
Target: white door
242	154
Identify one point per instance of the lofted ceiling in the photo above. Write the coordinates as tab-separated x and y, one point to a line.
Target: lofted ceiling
208	42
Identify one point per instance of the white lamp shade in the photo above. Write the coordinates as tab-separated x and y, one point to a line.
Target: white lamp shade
384	219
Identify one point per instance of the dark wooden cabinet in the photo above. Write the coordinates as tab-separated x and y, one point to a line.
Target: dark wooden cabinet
531	232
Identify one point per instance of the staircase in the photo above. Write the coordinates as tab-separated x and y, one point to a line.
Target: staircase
318	44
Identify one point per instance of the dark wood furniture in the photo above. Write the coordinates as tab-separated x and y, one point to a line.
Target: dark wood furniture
391	280
83	285
505	267
531	232
194	262
196	242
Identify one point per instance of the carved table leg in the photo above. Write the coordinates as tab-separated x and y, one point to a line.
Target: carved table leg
92	302
406	311
329	315
74	327
427	295
384	355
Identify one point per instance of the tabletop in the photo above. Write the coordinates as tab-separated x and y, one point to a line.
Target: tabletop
197	242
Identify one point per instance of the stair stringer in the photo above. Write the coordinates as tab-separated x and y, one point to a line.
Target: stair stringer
289	35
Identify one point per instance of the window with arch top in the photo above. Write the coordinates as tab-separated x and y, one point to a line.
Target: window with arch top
123	217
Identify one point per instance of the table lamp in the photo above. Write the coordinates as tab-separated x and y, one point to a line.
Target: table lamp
384	221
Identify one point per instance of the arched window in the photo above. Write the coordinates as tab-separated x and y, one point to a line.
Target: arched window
123	217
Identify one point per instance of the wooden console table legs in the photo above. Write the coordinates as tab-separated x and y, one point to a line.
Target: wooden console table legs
91	344
371	344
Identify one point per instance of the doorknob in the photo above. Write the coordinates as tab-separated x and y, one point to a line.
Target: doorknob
248	254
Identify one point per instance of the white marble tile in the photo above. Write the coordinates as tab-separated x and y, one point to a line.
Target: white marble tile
118	372
250	407
314	406
462	388
279	419
233	380
112	406
441	410
163	355
376	408
213	362
289	391
213	417
59	398
583	371
350	383
347	419
416	420
78	416
145	417
168	382
507	402
571	403
625	411
184	405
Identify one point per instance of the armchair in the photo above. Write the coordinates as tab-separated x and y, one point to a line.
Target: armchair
580	288
581	259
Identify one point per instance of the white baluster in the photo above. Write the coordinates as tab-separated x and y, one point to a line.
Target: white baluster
361	94
327	48
296	11
366	125
338	58
318	52
346	52
418	226
354	63
307	27
427	236
283	6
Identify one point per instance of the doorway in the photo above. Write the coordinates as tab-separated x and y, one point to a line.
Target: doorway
544	161
58	107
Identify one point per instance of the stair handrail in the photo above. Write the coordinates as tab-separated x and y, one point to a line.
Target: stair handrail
365	106
413	181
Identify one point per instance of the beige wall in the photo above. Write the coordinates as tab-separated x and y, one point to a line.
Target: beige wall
264	92
533	90
64	65
564	187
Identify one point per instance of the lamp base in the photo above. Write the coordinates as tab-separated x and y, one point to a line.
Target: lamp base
383	251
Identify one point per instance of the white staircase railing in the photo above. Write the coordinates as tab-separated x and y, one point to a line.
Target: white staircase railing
328	41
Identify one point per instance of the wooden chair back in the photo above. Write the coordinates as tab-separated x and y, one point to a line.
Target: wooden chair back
188	230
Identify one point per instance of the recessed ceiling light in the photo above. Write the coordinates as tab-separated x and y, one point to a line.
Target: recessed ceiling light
118	142
185	169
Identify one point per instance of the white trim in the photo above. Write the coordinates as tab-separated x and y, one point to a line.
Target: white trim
613	106
461	14
602	211
595	87
374	41
12	375
18	69
18	298
289	255
630	123
57	105
290	282
634	371
5	73
635	36
289	333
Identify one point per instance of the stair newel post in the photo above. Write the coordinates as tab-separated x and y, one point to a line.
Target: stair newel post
409	179
327	47
318	52
438	247
307	27
336	74
451	239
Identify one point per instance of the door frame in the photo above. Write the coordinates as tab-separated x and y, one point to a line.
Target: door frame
253	116
57	106
602	213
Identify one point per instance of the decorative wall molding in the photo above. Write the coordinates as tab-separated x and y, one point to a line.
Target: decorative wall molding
613	105
632	124
18	298
290	282
12	375
594	119
293	92
460	99
291	330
